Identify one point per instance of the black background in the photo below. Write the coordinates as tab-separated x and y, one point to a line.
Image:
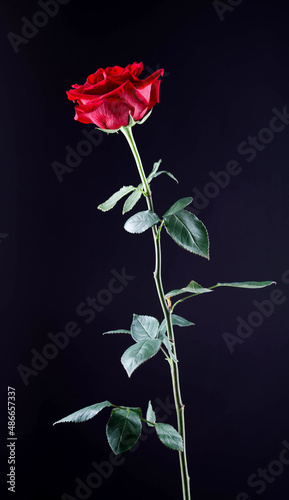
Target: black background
222	80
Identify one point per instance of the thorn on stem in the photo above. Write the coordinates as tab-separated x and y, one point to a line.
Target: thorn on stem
168	299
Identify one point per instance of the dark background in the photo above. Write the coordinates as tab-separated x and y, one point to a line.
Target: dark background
222	80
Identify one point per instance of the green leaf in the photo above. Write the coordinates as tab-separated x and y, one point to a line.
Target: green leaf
138	353
156	166
85	413
144	327
192	287
154	173
123	430
150	416
165	340
116	331
169	436
179	205
132	199
180	321
111	202
134	408
168	173
176	320
141	221
188	232
248	284
144	119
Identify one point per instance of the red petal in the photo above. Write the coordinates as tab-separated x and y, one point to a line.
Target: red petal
135	68
105	114
150	79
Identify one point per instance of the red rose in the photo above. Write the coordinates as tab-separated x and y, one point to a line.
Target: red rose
110	95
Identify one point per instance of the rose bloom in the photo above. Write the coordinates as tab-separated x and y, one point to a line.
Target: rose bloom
110	95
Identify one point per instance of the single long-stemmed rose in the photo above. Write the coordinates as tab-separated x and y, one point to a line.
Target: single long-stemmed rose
115	99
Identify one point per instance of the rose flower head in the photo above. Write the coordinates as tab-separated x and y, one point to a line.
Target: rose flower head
112	95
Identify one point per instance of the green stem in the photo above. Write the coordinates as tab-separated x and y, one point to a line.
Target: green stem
127	131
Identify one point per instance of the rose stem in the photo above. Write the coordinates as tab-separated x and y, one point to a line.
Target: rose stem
167	314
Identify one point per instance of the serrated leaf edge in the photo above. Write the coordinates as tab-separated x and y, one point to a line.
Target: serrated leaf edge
182	246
